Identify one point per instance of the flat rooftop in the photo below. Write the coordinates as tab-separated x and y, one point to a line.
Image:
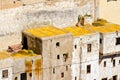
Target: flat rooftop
46	31
4	55
19	54
23	54
108	27
87	29
77	31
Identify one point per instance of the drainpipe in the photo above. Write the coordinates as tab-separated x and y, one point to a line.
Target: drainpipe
80	64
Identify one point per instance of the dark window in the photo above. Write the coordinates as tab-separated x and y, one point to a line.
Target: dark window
89	47
16	78
118	41
104	63
104	78
25	44
23	76
57	44
66	68
30	74
53	70
75	78
115	77
24	4
113	63
14	2
65	56
88	68
75	46
62	75
58	56
119	61
100	41
5	74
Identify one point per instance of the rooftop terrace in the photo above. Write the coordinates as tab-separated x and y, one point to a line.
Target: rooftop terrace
23	54
19	54
77	31
4	55
87	29
45	31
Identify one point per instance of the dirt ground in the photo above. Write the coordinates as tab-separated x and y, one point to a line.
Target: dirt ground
8	40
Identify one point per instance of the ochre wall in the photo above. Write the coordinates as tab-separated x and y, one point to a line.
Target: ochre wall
110	11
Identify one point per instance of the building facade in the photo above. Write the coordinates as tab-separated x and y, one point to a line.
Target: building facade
85	54
75	53
55	46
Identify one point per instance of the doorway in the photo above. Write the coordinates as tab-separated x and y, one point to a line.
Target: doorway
23	76
25	45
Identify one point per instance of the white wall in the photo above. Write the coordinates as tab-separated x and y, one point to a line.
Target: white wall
81	58
109	43
6	64
109	70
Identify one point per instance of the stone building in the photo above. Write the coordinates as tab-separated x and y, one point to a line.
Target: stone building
27	66
6	62
109	51
85	54
20	66
73	53
55	47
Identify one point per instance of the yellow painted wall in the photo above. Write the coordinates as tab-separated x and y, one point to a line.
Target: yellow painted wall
110	11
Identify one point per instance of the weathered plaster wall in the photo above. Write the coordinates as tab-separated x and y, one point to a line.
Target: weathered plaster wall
109	43
82	58
60	14
109	71
28	65
6	64
50	53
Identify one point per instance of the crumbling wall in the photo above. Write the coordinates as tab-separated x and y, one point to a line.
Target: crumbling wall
60	14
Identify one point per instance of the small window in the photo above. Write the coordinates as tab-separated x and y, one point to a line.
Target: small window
113	63
88	68
118	41
104	63
75	46
119	61
30	74
115	77
16	78
62	75
53	70
57	44
89	47
5	74
24	4
66	68
104	78
75	78
58	56
14	2
100	41
65	56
